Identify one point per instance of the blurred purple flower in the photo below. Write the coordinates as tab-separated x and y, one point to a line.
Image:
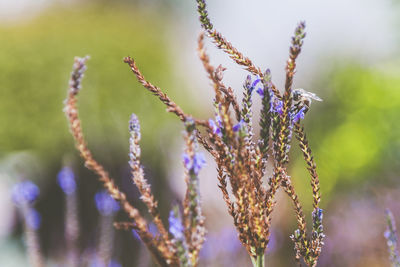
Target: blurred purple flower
33	219
114	263
175	226
66	180
105	204
24	192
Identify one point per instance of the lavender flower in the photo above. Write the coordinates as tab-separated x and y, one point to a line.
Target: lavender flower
392	240
260	91
277	106
238	126
254	84
214	127
318	215
175	225
299	115
218	120
105	204
199	162
196	164
33	219
66	180
24	192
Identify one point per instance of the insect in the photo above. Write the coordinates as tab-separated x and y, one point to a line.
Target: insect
304	96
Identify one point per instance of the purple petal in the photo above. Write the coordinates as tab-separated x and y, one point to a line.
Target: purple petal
66	180
105	204
175	225
33	219
260	91
198	162
24	192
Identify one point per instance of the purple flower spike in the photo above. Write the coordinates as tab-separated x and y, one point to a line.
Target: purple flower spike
299	115
33	219
318	214
260	92
105	204
66	180
198	162
175	226
214	127
277	106
186	161
24	192
238	126
256	81
194	166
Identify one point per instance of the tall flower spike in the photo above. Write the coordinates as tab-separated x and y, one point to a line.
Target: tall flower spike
66	181
193	218
392	239
140	181
107	207
265	114
247	102
285	131
77	74
160	252
23	195
177	231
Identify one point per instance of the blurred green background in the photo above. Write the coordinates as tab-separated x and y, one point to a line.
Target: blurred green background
354	132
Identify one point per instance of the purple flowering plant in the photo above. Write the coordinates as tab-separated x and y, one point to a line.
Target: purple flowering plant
241	156
24	195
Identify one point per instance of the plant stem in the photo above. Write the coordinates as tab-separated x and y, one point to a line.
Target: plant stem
258	261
